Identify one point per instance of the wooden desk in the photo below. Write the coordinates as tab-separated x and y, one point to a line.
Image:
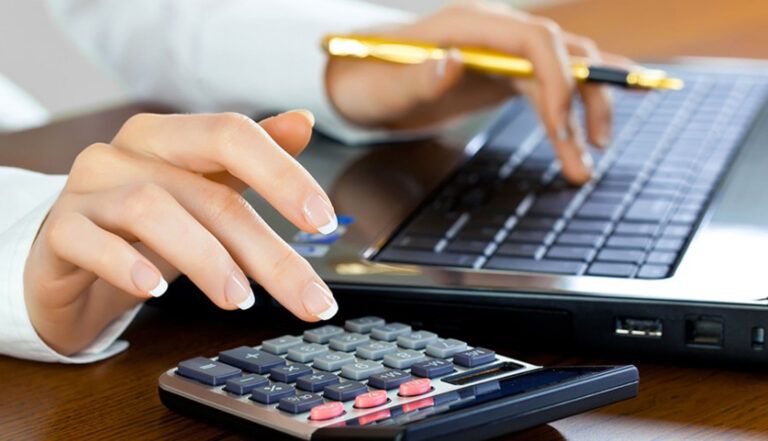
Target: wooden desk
118	399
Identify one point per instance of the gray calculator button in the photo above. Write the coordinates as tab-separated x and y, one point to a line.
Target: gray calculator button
416	340
363	325
306	352
376	350
403	359
322	334
361	370
332	361
348	342
280	345
445	347
390	331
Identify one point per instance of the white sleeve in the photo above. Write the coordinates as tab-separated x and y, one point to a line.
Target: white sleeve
248	56
26	199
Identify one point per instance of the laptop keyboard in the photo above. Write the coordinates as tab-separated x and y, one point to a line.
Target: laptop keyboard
508	208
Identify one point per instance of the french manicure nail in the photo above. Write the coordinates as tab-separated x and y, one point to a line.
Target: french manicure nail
320	214
307	114
148	279
238	291
319	302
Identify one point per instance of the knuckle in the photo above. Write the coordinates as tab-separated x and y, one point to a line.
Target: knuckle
136	122
58	230
142	200
225	202
226	128
286	262
92	159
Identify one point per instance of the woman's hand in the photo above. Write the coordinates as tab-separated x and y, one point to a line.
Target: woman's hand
163	198
399	96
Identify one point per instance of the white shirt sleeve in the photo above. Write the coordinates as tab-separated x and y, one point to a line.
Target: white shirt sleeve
248	56
26	199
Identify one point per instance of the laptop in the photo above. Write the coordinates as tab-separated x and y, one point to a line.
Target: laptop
664	252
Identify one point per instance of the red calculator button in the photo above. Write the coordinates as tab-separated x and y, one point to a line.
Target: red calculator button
371	399
415	387
326	411
419	404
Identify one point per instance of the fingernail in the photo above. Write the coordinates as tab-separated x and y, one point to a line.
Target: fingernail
319	302
148	279
238	291
320	214
307	114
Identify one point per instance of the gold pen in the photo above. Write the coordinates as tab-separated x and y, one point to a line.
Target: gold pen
490	62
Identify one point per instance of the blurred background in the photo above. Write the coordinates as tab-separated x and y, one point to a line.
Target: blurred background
39	49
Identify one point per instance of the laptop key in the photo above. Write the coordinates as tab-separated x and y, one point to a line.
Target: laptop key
617	255
429	258
530	265
661	257
653	272
590	240
617	241
571	253
645	210
669	245
529	236
468	246
612	269
537	223
519	250
417	242
637	229
588	226
599	210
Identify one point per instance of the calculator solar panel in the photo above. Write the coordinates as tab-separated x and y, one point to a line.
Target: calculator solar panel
508	209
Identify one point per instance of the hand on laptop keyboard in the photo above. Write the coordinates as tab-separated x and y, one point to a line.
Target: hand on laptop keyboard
421	95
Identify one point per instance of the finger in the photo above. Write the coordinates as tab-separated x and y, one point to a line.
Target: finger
277	267
236	144
291	130
596	98
78	241
149	214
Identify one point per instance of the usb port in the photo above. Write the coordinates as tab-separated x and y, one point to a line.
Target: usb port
704	331
636	327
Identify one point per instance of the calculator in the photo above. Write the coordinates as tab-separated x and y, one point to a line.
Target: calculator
372	379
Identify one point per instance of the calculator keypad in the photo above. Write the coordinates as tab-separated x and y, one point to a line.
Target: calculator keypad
364	365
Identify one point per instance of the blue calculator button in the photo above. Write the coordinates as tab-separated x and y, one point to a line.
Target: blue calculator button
432	368
245	384
344	391
289	373
300	403
251	360
272	393
207	371
389	379
317	381
474	357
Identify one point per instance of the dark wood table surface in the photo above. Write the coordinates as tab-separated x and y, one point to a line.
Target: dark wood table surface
117	398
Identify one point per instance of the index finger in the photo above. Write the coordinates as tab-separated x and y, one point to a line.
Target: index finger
233	143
